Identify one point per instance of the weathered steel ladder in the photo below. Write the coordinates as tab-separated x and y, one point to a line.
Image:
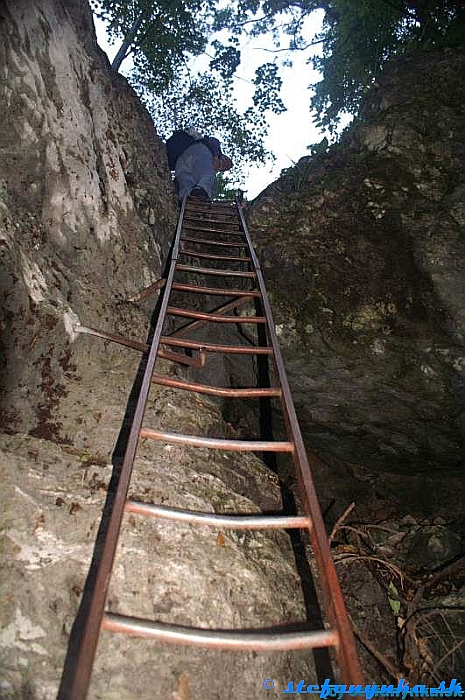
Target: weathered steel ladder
197	222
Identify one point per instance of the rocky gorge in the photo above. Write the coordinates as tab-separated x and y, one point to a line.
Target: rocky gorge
362	247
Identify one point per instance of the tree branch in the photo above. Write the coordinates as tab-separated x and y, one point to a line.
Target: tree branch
291	48
385	663
127	42
255	19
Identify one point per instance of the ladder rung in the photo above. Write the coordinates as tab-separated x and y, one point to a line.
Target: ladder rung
216	204
213	347
212	242
265	640
215	390
232	522
220	318
236	258
217	443
219	291
194	208
212	271
214	214
211	220
214	211
188	328
212	229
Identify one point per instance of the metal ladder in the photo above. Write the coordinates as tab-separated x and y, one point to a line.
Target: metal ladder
210	227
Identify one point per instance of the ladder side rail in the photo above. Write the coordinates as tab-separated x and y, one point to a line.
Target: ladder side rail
332	596
82	670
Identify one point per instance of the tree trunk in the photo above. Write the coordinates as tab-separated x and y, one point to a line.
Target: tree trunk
127	41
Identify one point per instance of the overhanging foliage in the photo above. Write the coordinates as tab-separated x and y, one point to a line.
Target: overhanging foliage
356	39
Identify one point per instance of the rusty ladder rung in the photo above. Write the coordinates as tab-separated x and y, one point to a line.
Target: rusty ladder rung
210	220
220	318
212	217
215	291
213	271
229	205
227	521
212	229
213	347
265	640
237	392
194	254
217	443
212	242
189	328
227	219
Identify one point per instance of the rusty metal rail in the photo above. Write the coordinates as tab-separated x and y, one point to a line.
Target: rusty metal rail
215	218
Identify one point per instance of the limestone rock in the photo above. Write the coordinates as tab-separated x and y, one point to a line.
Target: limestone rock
52	499
363	251
431	547
76	148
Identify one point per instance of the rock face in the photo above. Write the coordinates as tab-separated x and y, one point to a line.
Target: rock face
86	219
363	249
85	201
53	496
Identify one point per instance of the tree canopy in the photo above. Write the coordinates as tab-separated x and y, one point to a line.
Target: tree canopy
206	103
162	37
356	39
359	36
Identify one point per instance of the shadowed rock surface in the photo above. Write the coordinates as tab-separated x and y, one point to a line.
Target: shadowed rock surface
363	249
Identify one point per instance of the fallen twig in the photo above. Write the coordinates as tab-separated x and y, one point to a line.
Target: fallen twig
385	663
340	520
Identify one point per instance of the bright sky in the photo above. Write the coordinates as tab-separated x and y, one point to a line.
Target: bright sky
290	132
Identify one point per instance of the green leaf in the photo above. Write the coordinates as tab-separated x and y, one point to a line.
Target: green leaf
393	599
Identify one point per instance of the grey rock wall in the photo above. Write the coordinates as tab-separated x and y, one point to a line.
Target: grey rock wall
363	248
52	499
86	208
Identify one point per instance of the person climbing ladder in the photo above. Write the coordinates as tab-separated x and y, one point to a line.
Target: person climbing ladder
196	160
